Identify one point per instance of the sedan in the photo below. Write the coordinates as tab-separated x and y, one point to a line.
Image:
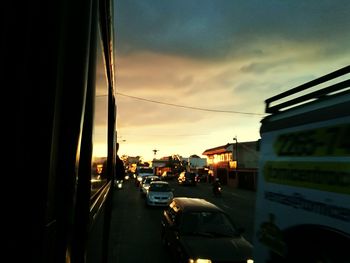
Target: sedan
146	182
195	230
159	193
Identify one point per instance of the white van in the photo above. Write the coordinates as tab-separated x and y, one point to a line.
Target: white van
303	194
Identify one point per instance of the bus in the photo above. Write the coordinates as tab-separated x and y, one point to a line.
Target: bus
61	58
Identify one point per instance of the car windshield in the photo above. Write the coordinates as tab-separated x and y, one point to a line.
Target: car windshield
159	188
211	224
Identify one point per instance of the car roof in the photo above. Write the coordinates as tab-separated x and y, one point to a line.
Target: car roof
159	182
195	204
150	179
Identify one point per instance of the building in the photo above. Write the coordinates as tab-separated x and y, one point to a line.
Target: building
194	161
172	163
235	164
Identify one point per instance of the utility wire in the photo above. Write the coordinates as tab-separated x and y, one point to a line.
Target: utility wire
188	107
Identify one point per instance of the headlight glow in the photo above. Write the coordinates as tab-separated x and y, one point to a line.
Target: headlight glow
250	261
199	260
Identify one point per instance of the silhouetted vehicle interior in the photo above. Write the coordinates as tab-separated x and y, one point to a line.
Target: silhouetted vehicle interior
65	168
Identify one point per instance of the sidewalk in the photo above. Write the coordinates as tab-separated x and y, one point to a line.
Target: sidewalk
244	193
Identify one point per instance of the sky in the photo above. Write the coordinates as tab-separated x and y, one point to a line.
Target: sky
193	74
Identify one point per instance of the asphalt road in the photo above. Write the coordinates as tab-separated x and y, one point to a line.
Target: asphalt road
135	228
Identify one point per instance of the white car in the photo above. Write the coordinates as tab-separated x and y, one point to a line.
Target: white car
159	193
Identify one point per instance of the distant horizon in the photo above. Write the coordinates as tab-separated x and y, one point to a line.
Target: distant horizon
182	156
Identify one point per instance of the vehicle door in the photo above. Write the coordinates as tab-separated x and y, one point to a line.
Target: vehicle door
171	225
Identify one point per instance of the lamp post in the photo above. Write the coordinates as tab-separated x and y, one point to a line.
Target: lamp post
155	153
235	139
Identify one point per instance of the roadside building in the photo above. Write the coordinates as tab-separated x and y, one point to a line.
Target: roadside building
235	164
172	164
161	166
195	161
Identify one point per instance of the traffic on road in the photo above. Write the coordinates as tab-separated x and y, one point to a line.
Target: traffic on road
136	226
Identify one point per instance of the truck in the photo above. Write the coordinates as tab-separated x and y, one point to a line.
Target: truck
302	209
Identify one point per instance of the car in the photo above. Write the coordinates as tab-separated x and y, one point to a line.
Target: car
142	172
196	230
144	185
159	193
187	178
168	175
118	184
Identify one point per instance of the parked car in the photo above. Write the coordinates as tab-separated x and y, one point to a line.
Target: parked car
195	230
187	178
159	193
144	185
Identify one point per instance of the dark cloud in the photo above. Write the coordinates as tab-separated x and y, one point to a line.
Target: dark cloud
217	28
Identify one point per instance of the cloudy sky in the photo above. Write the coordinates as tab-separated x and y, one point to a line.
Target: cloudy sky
193	74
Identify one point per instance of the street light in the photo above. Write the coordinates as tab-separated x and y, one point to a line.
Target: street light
155	153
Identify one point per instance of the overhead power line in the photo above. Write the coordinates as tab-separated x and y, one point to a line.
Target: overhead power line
188	107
